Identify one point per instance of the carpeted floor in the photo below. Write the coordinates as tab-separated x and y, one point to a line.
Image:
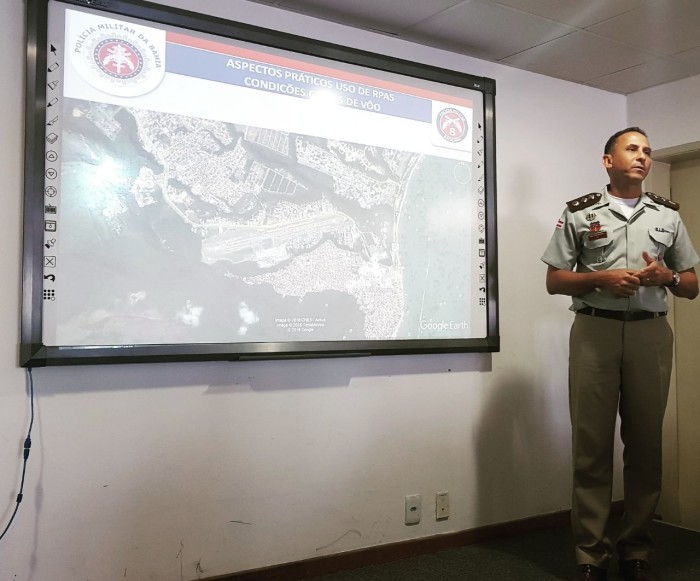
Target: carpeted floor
542	556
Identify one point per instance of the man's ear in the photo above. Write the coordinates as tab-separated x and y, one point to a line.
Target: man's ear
607	161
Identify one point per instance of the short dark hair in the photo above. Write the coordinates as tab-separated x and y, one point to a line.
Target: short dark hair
610	143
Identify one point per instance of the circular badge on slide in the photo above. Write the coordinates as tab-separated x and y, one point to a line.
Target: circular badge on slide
452	125
118	58
115	57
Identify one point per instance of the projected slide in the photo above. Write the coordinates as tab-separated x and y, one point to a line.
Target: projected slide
204	190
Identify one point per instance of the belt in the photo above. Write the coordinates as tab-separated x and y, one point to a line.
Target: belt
621	315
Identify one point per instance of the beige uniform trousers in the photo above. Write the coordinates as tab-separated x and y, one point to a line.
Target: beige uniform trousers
617	366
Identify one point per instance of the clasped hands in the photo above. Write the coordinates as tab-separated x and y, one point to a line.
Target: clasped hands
624	283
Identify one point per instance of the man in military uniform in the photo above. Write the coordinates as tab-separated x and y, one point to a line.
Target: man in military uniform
617	253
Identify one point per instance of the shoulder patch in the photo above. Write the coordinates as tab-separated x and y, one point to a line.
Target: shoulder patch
664	201
584	202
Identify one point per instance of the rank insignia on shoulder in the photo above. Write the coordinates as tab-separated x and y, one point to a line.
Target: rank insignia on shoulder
584	202
664	201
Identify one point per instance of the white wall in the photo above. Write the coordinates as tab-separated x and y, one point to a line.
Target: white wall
668	113
182	471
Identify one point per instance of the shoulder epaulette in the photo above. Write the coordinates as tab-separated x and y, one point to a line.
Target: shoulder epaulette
664	201
584	201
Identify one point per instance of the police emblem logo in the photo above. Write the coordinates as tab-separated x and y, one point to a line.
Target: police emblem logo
118	58
452	125
115	57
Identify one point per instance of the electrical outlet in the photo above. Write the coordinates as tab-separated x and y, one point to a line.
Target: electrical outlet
412	509
442	506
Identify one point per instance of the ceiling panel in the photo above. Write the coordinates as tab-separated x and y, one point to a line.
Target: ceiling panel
617	45
690	59
383	15
579	57
576	12
652	73
487	30
680	8
661	27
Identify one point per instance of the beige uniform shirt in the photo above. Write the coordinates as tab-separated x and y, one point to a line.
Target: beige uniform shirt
593	234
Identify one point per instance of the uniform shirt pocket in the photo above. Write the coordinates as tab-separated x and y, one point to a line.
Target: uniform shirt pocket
595	252
662	240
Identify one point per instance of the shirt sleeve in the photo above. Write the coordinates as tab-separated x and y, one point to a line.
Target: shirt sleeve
565	246
682	254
